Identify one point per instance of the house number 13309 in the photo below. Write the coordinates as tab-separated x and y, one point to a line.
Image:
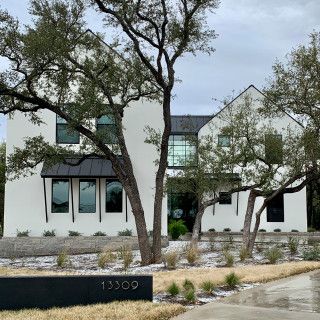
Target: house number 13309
116	285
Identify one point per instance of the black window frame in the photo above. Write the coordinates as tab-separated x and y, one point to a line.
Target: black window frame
106	186
220	136
225	198
95	198
273	212
185	149
64	124
110	127
52	182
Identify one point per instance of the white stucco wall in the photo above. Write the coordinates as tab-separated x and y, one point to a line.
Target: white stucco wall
24	198
227	216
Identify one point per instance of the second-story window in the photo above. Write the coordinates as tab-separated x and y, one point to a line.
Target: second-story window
182	150
223	140
64	134
106	127
274	148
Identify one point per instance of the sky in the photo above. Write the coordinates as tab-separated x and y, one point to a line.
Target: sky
252	35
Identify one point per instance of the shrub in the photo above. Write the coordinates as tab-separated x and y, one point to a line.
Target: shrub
170	259
177	228
188	285
125	233
190	296
229	258
226	230
126	255
241	230
259	248
232	280
23	233
74	233
293	244
262	230
212	230
105	258
277	230
63	260
99	234
48	233
294	230
311	229
212	240
312	254
243	253
207	286
273	254
173	289
226	247
192	254
231	241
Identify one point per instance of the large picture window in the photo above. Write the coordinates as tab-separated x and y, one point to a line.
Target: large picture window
182	150
107	128
64	134
60	196
275	209
113	196
87	196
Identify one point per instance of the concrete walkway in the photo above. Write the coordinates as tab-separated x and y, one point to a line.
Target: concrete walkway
294	298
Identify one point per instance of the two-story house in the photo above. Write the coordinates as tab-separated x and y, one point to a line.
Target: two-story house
88	198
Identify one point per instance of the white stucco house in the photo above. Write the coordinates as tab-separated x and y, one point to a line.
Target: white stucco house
88	198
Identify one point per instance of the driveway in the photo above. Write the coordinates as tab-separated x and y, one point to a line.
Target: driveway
297	297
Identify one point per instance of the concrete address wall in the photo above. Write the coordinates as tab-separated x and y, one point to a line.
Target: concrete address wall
42	246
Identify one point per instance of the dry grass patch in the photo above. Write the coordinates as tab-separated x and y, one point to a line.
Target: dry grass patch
247	274
112	311
4	271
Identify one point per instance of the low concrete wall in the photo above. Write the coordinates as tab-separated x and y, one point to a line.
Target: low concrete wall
262	237
44	246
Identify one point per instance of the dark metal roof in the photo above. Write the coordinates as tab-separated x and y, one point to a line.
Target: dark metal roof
88	168
188	124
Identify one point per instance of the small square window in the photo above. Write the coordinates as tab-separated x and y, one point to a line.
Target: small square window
223	140
225	198
107	127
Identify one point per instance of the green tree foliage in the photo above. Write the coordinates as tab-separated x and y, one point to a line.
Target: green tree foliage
58	65
2	181
295	88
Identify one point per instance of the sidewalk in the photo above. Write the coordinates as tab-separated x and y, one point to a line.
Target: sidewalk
293	298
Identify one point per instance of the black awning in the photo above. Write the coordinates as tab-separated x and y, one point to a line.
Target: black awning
88	168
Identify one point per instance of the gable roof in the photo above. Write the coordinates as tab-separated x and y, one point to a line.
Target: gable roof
188	124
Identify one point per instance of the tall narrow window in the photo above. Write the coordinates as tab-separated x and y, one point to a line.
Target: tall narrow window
60	196
113	196
87	196
106	127
223	140
274	148
225	198
64	134
275	209
182	150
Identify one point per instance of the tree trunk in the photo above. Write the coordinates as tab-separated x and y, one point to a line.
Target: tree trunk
159	190
248	219
254	233
196	226
138	212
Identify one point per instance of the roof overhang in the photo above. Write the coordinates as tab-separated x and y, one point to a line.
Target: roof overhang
88	168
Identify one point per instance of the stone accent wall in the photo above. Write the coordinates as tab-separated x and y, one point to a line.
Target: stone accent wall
43	246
